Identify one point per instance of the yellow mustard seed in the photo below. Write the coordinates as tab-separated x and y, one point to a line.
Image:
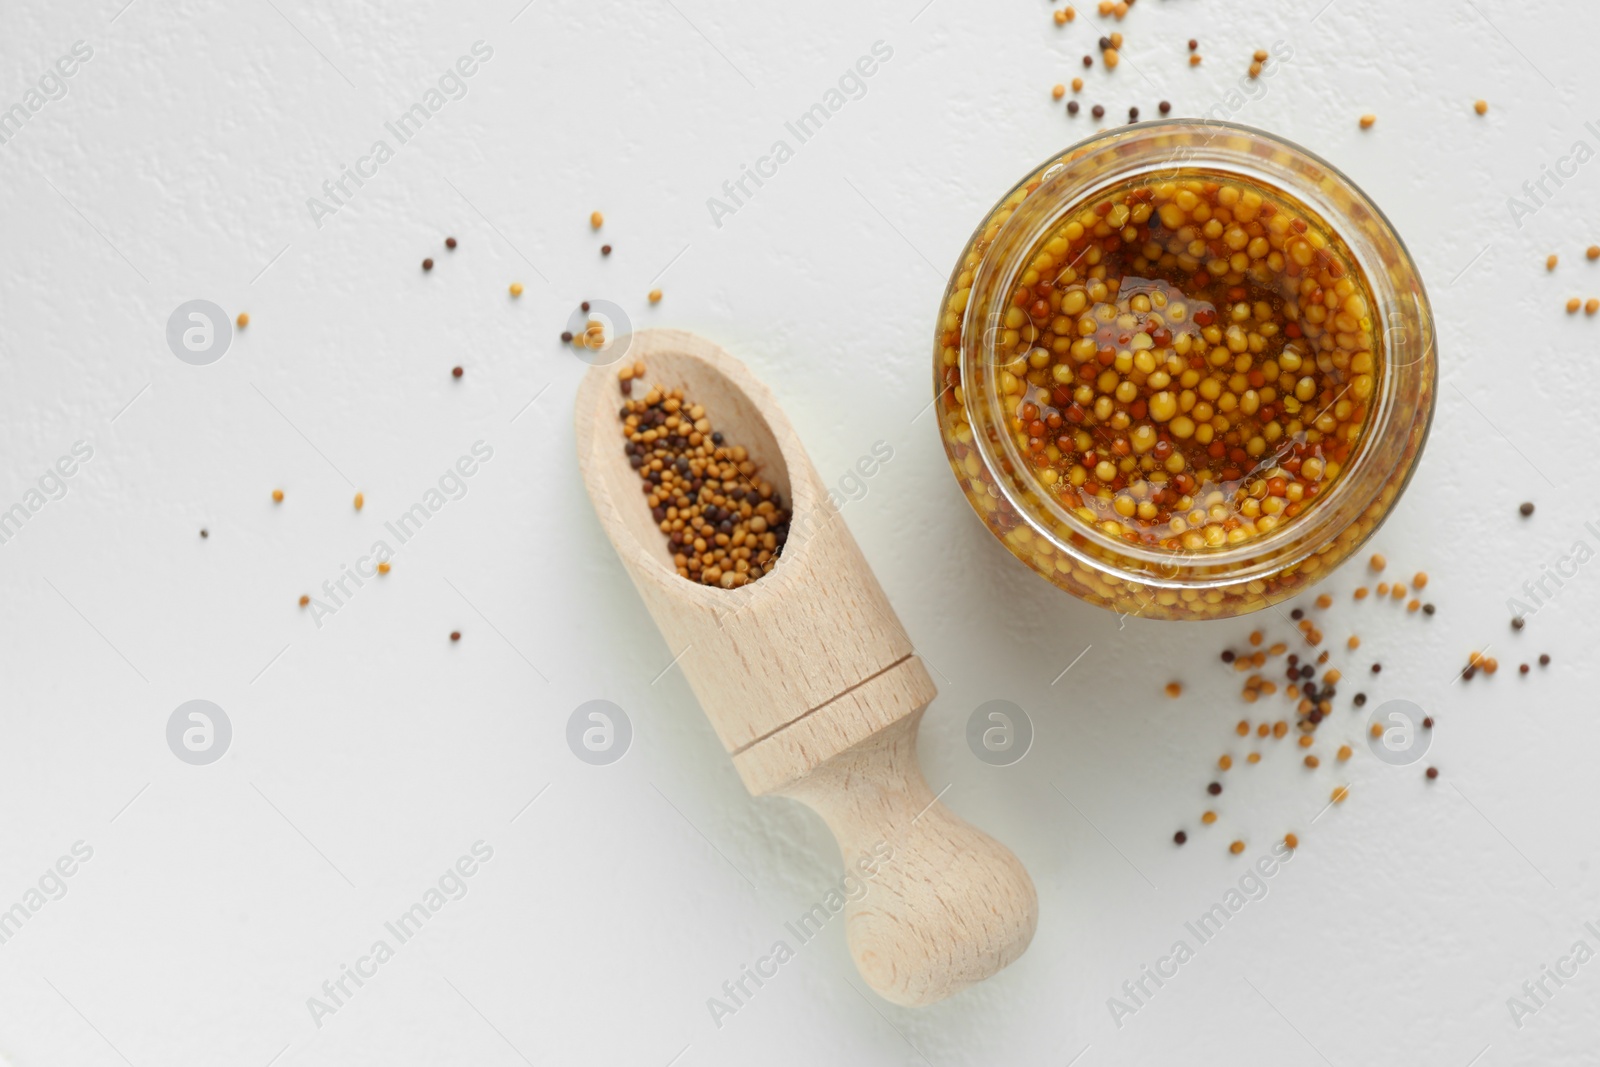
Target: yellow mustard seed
1225	763
304	600
1339	794
1291	841
1593	252
360	501
243	320
1481	107
1377	562
1573	305
1058	91
1174	689
1367	121
655	296
1344	753
516	288
1254	757
596	220
1209	817
1550	262
1236	848
383	568
277	496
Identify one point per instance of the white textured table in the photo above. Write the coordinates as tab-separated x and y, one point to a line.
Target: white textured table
369	755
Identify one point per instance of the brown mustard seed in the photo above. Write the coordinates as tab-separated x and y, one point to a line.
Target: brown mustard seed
1433	772
427	264
1165	107
1180	837
1544	659
725	524
1518	623
605	250
204	532
456	372
450	243
455	635
1215	789
1072	107
1523	669
1193	44
1526	508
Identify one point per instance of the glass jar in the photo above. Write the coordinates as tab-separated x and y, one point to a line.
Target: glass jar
982	379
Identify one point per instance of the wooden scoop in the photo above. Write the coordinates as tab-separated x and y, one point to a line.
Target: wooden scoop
813	686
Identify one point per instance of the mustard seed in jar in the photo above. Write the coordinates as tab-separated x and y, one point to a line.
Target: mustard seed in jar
1164	368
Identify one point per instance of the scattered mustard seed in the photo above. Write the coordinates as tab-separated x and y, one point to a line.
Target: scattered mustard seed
1550	262
655	296
1481	107
516	288
596	220
277	496
1058	91
1290	841
304	600
360	501
383	568
243	320
1367	121
1236	848
1377	562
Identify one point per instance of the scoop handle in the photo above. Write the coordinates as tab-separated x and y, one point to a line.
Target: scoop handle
945	905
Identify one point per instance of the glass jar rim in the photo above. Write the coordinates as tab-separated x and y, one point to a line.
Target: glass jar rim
1404	313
